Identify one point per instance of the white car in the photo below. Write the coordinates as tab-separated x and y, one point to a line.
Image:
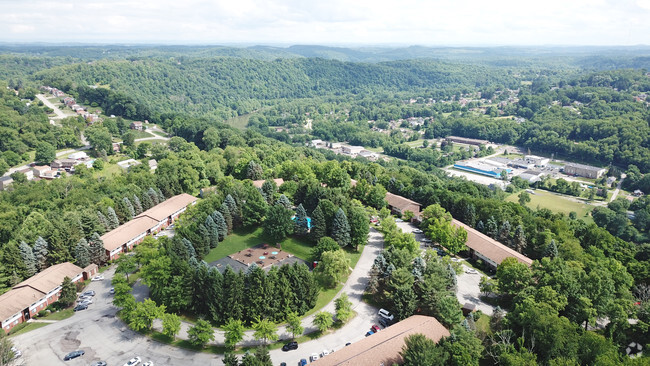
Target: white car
98	278
325	353
417	231
16	352
313	357
85	301
148	363
471	271
112	291
134	361
386	314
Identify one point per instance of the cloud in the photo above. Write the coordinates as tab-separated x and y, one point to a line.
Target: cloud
426	22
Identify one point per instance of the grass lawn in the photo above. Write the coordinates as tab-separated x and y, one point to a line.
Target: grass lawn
59	315
375	149
108	171
28	327
240	122
556	203
511	156
483	324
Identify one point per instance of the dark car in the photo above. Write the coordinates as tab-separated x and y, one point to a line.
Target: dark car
303	362
98	363
290	346
384	323
79	307
74	354
283	364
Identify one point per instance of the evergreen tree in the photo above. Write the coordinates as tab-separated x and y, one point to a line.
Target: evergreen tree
113	221
318	225
233	290
269	188
103	220
68	292
301	223
205	240
491	229
227	217
233	209
153	196
504	232
146	201
129	207
189	248
551	250
212	231
341	229
230	359
222	228
13	268
96	249
254	171
284	201
469	214
81	253
137	205
27	255
161	196
41	250
519	239
480	226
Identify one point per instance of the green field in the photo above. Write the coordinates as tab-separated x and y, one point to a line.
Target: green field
240	122
556	203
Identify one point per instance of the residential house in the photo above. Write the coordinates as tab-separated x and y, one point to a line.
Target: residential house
5	182
137	125
34	294
126	236
399	205
259	183
40	170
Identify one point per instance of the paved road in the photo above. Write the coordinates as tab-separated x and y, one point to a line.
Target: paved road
104	337
59	113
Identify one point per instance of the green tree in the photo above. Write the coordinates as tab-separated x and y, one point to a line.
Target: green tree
68	292
278	223
81	255
142	317
41	250
126	264
7	354
113	221
359	227
97	251
294	325
333	268
100	139
201	333
4	167
227	216
233	332
222	228
229	359
318	224
325	244
128	139
323	320
98	164
27	255
524	198
301	223
463	348
513	276
343	308
420	350
45	152
341	229
264	330
171	324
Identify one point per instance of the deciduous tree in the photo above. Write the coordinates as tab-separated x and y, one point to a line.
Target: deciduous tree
201	333
323	320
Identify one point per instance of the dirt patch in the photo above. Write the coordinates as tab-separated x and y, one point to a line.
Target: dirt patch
69	342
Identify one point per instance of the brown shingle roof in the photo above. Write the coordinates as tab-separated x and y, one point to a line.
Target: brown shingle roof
259	183
123	233
489	247
403	204
165	209
383	347
35	288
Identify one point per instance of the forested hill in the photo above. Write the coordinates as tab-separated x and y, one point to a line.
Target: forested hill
227	86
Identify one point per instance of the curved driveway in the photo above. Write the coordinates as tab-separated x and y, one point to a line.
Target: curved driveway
104	337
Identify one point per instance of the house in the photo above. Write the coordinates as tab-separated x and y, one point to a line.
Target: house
29	174
126	164
259	183
351	150
369	155
582	170
490	251
537	160
136	125
166	213
383	348
153	164
399	205
610	180
39	171
467	141
79	155
317	143
126	236
116	147
66	164
637	193
5	182
34	294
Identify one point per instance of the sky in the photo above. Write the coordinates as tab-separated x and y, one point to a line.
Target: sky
332	22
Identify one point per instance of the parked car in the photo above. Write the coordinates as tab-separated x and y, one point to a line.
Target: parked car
112	290
74	354
88	293
98	278
325	353
16	352
369	333
98	363
290	346
313	357
283	364
375	328
471	271
386	314
384	323
417	231
80	307
85	300
134	361
302	362
148	363
347	344
399	220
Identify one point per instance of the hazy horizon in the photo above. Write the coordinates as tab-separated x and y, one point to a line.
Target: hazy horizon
470	23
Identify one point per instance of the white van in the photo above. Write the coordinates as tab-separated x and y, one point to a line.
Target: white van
386	314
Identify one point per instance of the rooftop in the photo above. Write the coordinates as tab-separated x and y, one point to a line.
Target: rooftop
402	203
123	233
259	183
383	348
489	247
165	209
583	166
